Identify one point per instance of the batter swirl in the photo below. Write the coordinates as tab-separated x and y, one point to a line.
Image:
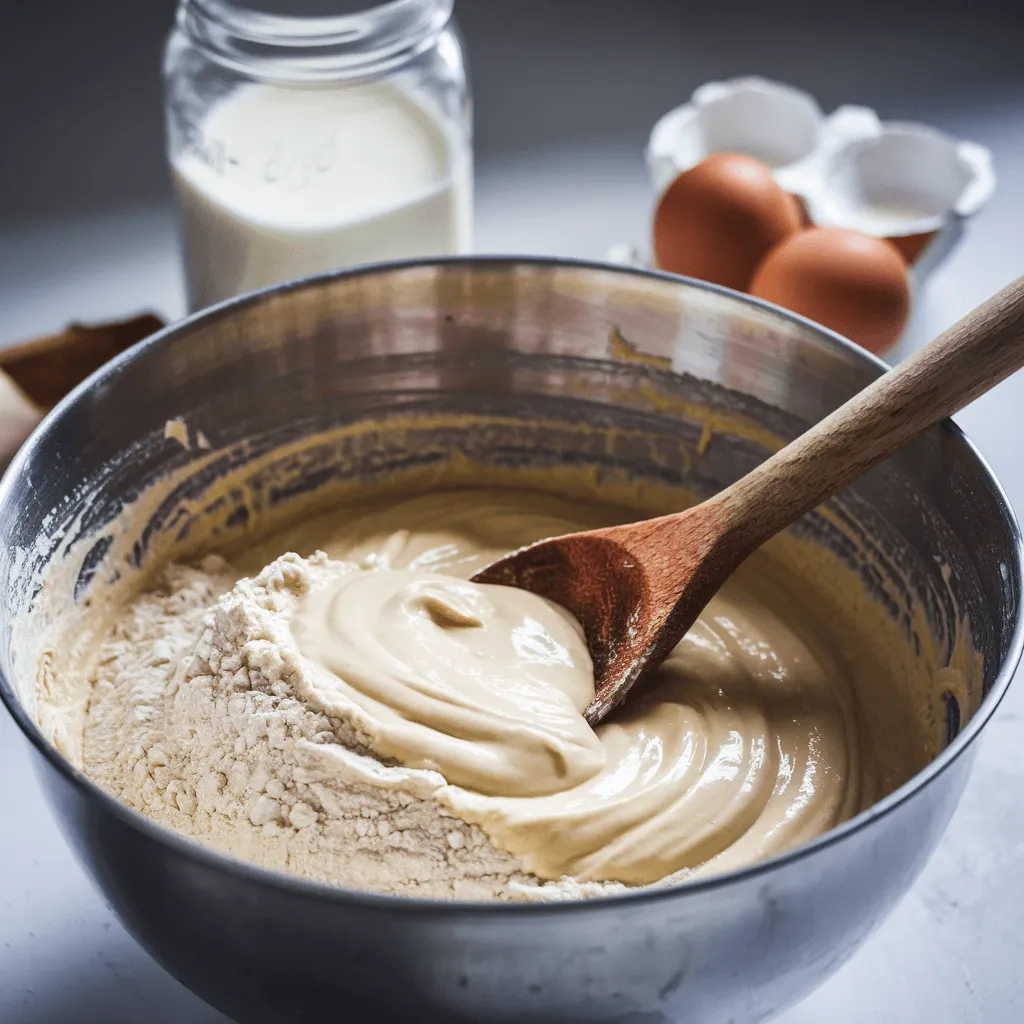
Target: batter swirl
745	743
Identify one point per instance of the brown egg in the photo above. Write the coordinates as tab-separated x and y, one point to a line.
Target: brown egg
718	220
855	284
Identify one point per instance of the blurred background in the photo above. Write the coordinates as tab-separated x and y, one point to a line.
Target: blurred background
565	95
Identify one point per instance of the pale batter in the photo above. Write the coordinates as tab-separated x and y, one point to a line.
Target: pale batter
368	717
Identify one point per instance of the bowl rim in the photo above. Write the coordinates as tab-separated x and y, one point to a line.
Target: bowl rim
213	859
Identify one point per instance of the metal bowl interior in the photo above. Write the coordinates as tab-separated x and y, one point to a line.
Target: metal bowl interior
509	363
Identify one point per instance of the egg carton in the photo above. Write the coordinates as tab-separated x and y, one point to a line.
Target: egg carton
906	182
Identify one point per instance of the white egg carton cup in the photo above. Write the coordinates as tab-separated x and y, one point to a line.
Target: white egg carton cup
906	182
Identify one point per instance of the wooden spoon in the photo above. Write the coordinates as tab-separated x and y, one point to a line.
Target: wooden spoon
637	589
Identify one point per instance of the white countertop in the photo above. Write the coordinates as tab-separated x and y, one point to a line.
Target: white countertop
949	953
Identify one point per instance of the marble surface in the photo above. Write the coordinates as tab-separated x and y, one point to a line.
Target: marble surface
948	953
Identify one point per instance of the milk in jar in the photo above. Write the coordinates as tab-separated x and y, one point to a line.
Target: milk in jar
306	138
289	181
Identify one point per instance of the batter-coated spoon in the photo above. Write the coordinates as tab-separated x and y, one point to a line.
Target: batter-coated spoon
637	589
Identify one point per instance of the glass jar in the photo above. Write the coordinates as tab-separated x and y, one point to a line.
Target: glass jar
303	138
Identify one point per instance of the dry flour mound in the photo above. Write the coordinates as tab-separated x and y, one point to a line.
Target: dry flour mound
203	718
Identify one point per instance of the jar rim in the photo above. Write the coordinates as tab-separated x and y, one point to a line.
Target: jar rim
302	48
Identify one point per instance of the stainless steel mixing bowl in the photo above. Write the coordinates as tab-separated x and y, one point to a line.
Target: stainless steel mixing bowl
513	343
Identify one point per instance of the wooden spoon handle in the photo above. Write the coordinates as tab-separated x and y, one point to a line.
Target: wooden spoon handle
974	355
